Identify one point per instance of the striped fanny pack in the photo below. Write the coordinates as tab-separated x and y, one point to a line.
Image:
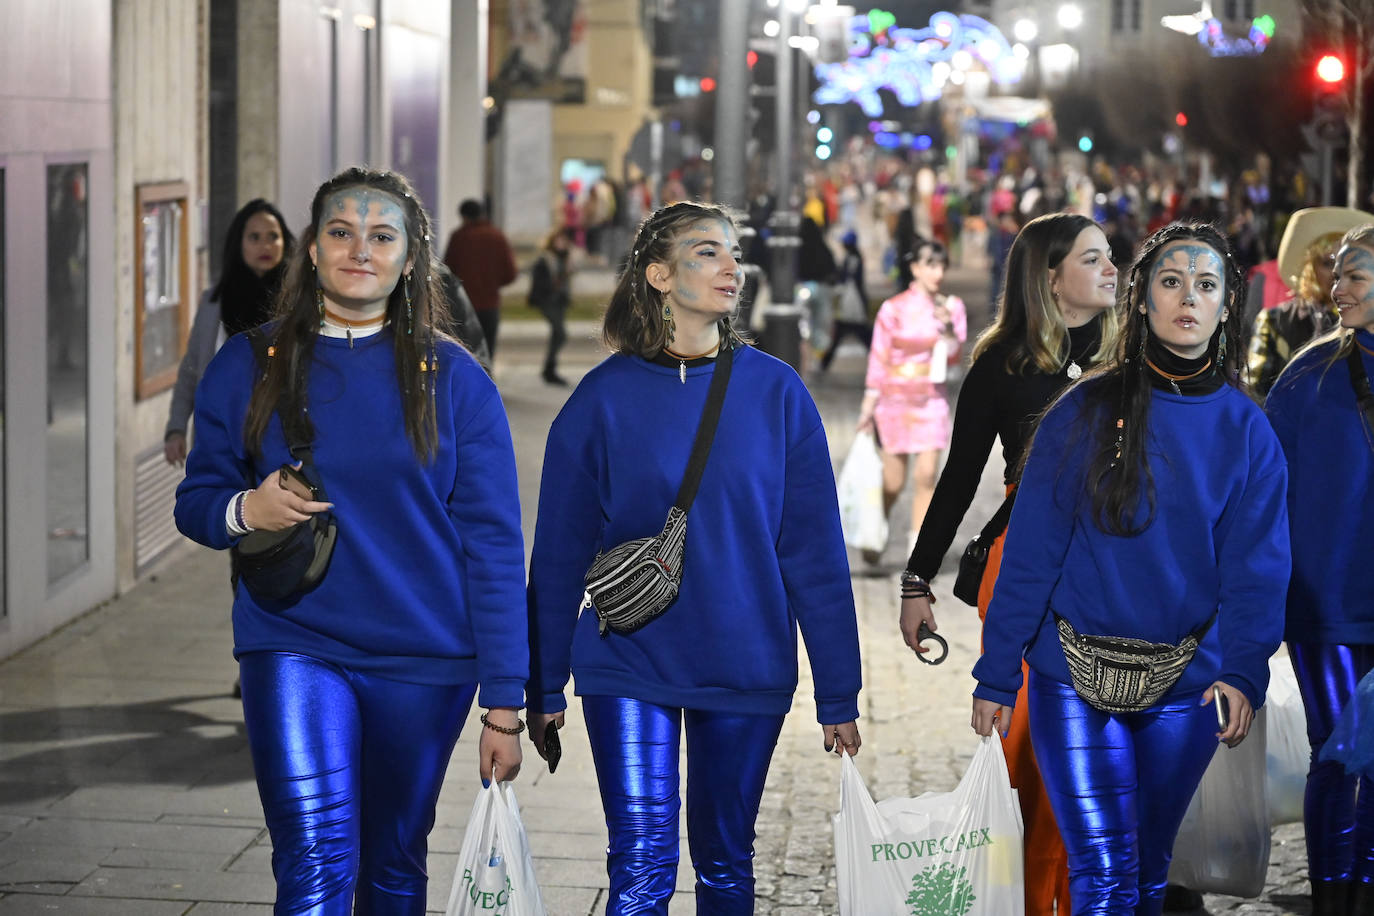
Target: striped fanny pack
635	582
1122	674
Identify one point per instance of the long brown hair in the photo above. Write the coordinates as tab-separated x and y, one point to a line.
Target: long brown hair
634	321
416	311
1028	319
1120	389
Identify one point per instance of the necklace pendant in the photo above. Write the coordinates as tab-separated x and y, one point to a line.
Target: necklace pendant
349	332
1174	385
1074	370
682	371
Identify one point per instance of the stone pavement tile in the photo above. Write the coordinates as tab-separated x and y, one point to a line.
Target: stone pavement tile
26	798
45	905
223	840
127	802
170	884
133	857
229	909
45	870
256	859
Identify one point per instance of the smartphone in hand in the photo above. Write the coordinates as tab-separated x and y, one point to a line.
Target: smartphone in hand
292	479
1223	709
553	748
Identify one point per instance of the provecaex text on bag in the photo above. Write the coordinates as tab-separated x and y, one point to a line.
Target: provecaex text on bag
949	843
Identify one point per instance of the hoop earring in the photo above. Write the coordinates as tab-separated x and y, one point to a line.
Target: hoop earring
319	303
410	311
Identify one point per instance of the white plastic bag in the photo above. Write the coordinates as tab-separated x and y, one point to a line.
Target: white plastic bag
941	854
860	487
1223	844
1288	753
495	872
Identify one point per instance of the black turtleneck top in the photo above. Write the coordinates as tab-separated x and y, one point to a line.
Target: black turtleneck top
993	404
1171	372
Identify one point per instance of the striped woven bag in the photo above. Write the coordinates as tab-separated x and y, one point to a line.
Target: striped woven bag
636	581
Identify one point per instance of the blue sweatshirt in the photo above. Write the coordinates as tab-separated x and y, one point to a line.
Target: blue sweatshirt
426	581
764	551
1313	409
1218	543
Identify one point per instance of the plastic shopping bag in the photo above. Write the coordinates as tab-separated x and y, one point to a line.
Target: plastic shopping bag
495	873
861	495
1288	753
941	854
1223	844
1350	744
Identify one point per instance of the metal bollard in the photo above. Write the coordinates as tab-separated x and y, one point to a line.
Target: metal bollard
782	333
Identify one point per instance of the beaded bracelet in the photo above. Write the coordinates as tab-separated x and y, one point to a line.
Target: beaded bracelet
238	511
517	729
913	586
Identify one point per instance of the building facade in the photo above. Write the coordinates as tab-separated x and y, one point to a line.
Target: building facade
133	130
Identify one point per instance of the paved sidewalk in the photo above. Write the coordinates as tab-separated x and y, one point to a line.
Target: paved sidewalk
126	787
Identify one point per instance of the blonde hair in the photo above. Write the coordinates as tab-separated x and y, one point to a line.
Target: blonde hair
1028	318
1344	338
1308	289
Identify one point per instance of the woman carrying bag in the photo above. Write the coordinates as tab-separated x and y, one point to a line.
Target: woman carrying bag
757	553
916	337
1144	574
355	691
1322	410
1056	320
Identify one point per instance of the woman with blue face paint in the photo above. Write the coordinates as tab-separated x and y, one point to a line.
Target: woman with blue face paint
1145	566
1326	435
764	555
354	693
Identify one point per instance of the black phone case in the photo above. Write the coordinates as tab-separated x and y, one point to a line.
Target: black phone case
296	477
553	748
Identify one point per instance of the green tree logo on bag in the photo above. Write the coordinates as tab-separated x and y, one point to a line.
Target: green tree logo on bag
940	890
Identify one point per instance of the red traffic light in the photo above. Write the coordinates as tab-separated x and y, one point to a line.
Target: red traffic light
708	84
1330	69
1181	119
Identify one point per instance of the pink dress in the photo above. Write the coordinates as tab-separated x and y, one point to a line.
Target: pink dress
912	413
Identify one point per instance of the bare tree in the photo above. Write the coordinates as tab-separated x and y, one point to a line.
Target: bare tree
1349	26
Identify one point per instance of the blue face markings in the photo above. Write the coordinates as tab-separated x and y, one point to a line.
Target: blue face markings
1184	257
389	212
694	250
1351	259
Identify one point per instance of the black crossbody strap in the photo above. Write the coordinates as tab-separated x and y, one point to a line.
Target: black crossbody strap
296	444
998	523
1359	380
706	432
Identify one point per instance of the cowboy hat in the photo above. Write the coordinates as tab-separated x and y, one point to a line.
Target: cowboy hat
1305	227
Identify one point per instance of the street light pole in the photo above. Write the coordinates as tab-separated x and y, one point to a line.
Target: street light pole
782	335
732	104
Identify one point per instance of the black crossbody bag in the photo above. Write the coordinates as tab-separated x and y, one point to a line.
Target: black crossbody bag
974	562
280	566
635	582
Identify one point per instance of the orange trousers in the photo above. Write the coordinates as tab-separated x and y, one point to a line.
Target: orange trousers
1047	864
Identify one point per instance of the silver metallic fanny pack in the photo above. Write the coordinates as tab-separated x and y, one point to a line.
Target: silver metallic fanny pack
1121	674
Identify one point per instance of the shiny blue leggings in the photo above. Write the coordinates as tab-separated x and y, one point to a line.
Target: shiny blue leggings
349	768
1338	808
1119	784
635	747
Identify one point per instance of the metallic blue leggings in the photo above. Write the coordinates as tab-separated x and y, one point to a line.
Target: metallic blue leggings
635	747
1119	785
349	768
1339	826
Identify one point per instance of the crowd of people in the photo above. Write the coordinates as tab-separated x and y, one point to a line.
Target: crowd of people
1166	527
